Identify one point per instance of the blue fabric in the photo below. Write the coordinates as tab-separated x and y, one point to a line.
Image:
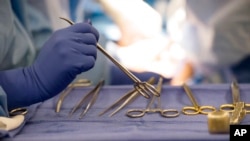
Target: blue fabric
34	19
118	77
10	134
73	9
241	71
3	103
66	54
16	48
47	125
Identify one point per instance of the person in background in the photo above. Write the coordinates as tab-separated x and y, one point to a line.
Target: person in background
216	39
212	45
28	77
140	45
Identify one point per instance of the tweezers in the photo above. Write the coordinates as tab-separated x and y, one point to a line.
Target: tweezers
92	95
126	99
79	83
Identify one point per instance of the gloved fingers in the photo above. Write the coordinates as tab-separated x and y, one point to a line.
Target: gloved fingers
84	28
84	49
86	63
85	38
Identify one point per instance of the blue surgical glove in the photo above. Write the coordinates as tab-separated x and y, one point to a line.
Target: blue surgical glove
66	54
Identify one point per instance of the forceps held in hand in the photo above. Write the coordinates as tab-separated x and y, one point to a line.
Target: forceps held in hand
94	93
168	113
126	99
143	88
196	108
236	99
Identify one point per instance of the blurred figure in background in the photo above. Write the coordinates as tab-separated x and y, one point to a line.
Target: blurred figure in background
216	38
141	45
205	42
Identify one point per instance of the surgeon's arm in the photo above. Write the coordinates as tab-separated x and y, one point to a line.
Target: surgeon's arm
68	52
185	74
136	19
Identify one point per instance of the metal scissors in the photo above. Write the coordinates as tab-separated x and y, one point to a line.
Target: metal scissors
238	108
168	113
126	99
18	111
196	108
144	88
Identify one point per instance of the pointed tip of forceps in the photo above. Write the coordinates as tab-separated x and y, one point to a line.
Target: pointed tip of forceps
234	84
126	99
64	93
93	92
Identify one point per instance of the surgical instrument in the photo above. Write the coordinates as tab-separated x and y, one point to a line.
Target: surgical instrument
94	93
144	88
196	108
126	99
18	111
237	109
219	121
78	83
168	113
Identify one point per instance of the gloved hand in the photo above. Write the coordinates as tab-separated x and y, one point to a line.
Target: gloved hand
66	54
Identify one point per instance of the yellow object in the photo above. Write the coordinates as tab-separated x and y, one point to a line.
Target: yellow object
11	123
167	113
196	108
218	122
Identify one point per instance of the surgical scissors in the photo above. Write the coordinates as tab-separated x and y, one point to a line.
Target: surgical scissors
144	88
238	108
18	111
78	83
196	108
94	93
127	98
168	113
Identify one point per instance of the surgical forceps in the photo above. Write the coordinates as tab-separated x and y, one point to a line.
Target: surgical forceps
196	108
126	99
94	93
79	83
18	111
238	108
168	113
143	88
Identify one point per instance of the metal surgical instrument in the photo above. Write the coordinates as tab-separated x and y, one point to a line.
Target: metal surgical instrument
237	109
18	111
168	113
92	95
126	99
79	83
144	88
196	108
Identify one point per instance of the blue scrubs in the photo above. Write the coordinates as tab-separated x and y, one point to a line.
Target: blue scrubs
23	30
